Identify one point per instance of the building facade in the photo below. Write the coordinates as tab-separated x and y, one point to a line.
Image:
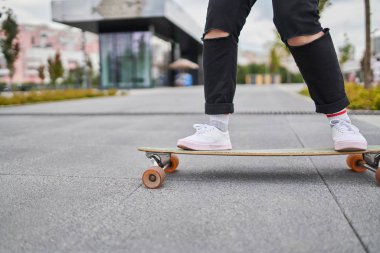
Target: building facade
138	38
40	42
352	69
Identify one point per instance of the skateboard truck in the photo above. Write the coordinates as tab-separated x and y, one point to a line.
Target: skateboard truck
371	161
160	159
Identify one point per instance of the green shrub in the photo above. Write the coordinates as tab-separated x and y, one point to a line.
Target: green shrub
360	98
53	95
4	101
305	92
111	92
376	102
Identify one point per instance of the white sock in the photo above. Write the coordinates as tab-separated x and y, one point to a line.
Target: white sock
220	121
336	117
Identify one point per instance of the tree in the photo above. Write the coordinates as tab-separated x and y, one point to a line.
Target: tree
41	73
10	46
281	48
367	54
89	71
323	4
274	64
75	76
278	52
347	51
55	68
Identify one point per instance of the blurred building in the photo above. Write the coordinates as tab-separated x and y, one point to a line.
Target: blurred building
352	69
39	42
138	38
376	58
376	44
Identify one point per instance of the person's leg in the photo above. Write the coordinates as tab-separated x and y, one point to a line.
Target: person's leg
225	19
297	21
219	121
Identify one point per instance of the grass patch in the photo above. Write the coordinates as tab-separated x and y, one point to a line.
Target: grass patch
360	98
18	98
305	92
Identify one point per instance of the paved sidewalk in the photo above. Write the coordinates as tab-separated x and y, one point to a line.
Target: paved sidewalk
71	183
173	100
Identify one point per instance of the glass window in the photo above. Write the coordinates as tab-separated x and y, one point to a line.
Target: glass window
161	50
126	59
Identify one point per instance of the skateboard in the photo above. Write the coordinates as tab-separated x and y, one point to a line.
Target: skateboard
166	161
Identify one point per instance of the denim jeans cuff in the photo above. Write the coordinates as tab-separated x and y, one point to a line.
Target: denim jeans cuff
333	107
221	108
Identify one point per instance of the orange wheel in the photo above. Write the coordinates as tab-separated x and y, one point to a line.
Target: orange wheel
353	162
377	176
153	177
174	161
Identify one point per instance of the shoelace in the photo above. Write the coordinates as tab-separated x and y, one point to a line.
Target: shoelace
344	126
202	128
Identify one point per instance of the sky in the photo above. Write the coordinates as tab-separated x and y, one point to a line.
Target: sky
343	16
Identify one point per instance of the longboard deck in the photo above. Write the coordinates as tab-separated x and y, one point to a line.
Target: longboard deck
262	152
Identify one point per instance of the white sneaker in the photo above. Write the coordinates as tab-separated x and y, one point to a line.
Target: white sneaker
206	137
346	136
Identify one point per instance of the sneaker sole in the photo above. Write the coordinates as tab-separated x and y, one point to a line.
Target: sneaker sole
195	146
350	146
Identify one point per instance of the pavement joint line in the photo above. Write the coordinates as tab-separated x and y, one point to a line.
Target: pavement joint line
119	178
331	192
340	207
131	178
169	113
67	176
122	178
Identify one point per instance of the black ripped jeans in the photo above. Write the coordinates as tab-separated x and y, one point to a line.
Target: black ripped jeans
317	60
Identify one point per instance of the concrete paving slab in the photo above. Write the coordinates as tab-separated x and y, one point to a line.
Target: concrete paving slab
116	157
370	119
45	214
72	183
227	216
356	194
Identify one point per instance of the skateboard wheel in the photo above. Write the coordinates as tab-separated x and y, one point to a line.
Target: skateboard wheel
377	176
353	162
174	161
153	177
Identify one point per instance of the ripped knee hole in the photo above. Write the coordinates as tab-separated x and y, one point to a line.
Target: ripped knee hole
215	33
